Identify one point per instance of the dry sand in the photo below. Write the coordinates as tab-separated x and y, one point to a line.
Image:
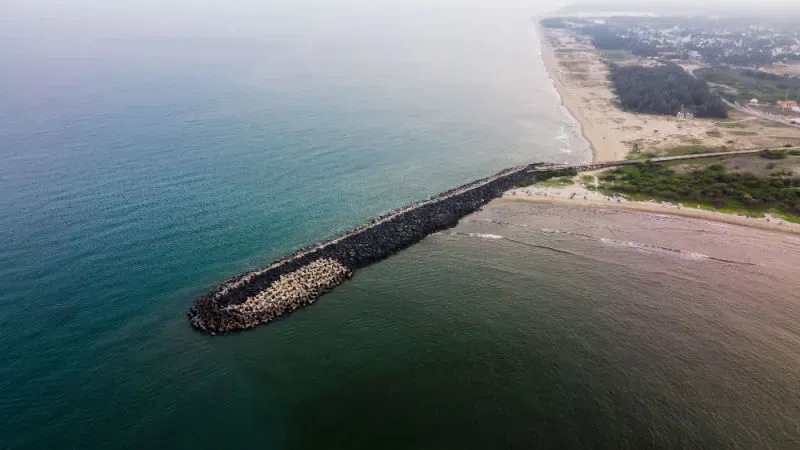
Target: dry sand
581	77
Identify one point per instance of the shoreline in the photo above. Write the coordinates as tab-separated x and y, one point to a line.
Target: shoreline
561	197
551	66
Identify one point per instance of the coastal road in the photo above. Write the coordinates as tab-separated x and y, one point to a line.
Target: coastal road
758	114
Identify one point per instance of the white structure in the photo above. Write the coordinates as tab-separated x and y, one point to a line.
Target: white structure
754	101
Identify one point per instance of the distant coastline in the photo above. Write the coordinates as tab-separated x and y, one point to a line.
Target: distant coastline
581	76
551	64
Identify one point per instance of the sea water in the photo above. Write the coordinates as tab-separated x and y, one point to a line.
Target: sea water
139	167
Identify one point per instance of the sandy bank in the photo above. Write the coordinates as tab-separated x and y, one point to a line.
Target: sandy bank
586	197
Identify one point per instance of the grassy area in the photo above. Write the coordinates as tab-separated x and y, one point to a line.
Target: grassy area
556	182
773	154
693	150
642	156
680	151
750	84
616	55
699	162
771	124
552	178
710	186
730	125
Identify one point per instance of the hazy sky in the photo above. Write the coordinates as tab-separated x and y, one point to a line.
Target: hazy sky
192	16
54	17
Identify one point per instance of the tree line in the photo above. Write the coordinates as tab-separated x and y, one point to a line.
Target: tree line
664	90
604	38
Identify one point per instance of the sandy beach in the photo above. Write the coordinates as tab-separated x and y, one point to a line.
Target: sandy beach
582	79
585	197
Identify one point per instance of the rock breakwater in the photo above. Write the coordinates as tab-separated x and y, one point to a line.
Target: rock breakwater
299	279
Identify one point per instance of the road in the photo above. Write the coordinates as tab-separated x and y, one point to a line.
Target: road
742	109
758	114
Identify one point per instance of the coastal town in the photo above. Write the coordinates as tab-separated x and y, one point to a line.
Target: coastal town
736	43
754	67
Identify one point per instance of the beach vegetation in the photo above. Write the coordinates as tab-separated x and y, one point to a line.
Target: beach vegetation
557	182
710	185
548	174
552	178
665	90
694	150
772	154
616	55
642	155
748	84
730	125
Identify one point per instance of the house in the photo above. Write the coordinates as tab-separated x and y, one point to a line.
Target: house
754	101
787	104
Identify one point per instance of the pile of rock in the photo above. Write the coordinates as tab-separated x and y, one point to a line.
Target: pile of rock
285	295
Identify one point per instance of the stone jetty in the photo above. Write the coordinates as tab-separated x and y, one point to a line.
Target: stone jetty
299	279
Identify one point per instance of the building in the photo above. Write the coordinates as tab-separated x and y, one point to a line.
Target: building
754	101
787	104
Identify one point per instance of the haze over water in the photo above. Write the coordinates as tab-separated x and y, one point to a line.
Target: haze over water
139	167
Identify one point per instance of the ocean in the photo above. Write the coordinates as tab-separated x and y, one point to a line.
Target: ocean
139	169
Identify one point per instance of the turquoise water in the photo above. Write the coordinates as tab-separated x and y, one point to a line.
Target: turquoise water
137	170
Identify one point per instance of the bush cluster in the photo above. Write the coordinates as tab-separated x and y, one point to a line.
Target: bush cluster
772	154
709	185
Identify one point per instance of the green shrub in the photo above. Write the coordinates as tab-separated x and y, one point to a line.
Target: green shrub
525	183
711	185
547	174
772	154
